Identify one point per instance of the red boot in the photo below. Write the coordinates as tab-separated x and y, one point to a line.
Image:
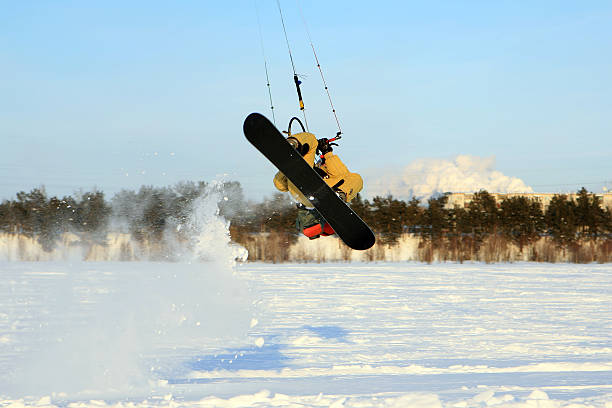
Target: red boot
328	230
316	231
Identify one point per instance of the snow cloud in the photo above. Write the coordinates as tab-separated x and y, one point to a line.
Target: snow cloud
426	177
101	322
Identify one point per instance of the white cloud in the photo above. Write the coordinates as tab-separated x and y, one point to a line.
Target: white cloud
426	177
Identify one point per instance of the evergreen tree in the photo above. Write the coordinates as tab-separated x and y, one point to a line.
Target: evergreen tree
59	214
145	213
36	217
607	222
561	220
413	214
389	218
435	221
279	214
94	212
483	214
462	223
7	216
590	215
30	211
155	214
181	203
125	207
522	220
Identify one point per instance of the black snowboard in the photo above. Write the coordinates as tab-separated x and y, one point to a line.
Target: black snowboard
271	143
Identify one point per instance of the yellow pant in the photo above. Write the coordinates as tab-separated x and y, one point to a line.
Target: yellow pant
336	172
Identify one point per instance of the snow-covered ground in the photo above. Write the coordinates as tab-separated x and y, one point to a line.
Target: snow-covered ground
389	334
208	332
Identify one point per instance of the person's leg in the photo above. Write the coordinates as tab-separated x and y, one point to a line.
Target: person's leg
311	223
349	184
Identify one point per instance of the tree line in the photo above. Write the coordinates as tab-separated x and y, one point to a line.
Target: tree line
148	213
519	219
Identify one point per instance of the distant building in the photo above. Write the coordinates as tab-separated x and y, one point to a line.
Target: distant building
463	199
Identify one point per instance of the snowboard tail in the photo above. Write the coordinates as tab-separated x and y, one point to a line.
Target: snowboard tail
272	144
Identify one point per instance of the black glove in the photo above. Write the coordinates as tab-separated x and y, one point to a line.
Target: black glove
324	146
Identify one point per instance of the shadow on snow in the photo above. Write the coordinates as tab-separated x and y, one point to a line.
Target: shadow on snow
329	332
268	357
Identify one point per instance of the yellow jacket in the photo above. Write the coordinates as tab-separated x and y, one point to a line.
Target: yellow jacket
333	166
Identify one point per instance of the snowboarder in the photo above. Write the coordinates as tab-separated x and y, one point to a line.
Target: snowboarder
333	172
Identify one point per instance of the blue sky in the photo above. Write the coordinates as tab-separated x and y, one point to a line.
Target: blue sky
118	94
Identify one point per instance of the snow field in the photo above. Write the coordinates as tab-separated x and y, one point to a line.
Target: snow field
206	332
352	335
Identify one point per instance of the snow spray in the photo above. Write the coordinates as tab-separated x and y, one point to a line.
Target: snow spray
99	328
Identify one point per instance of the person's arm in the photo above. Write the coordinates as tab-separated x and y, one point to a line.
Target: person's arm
333	166
281	182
